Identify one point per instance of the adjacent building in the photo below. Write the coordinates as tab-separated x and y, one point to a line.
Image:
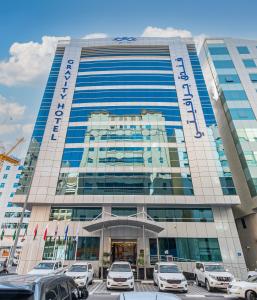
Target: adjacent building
230	68
10	213
126	160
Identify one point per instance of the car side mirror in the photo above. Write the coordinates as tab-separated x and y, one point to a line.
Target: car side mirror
226	270
108	269
155	271
133	270
201	269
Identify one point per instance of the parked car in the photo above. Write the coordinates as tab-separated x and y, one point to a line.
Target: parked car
167	276
252	273
244	289
81	272
34	287
212	275
120	276
147	296
47	267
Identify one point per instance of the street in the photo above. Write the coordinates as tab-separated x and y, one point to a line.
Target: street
98	291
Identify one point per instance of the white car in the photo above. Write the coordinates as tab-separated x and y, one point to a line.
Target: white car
212	275
244	289
252	273
147	296
81	272
120	276
47	267
167	276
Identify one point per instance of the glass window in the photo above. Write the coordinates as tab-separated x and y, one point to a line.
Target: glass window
239	95
124	211
2	185
168	214
12	195
218	50
242	114
249	63
182	249
64	292
5	176
243	50
253	77
125	184
223	64
7	168
228	79
52	293
75	214
88	248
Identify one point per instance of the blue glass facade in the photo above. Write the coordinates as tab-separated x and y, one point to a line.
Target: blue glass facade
225	175
114	93
39	128
237	108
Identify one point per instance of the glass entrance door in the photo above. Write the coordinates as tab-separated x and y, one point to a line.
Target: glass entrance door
124	250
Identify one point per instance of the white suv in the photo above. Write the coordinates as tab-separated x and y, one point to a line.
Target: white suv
81	272
47	267
212	275
167	276
120	276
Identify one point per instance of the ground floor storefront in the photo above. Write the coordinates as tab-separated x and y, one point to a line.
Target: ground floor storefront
141	235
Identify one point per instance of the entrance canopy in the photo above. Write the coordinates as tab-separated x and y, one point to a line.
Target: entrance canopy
115	221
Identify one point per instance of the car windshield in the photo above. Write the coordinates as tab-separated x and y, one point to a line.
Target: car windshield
169	269
44	266
78	268
214	268
120	268
252	279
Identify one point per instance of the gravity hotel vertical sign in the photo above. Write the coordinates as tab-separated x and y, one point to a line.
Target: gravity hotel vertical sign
58	114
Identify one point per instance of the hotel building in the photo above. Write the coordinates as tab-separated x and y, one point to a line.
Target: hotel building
127	160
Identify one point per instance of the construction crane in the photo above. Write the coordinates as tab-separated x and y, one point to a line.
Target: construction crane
6	157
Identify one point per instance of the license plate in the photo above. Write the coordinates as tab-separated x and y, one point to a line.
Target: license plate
174	285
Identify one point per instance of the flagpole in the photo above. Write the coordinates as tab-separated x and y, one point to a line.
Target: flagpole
77	239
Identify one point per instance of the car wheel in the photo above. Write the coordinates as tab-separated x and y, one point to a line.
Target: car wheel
208	287
250	295
197	281
184	291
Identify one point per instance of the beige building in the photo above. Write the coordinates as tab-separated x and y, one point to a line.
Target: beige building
128	161
230	68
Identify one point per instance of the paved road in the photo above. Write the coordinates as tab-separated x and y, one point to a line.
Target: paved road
98	291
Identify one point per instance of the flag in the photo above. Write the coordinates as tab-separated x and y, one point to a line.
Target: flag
2	234
56	231
14	235
35	231
45	233
66	233
77	234
25	233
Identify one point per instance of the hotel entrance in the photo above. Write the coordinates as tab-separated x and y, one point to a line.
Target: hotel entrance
124	250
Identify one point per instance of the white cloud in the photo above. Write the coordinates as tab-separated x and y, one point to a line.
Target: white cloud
12	118
28	61
165	32
10	110
96	35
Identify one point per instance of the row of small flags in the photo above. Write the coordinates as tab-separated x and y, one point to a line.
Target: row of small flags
44	234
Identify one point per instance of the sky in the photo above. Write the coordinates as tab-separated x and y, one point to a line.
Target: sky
29	31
